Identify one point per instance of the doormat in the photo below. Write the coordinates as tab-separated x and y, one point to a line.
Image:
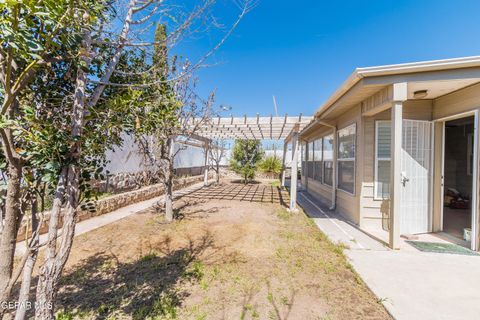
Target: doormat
441	248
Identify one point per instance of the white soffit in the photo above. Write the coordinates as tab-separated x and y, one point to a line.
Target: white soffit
437	89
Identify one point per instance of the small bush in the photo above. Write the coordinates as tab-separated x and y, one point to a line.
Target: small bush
245	158
271	165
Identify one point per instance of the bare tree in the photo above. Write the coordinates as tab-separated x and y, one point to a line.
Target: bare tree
158	146
217	153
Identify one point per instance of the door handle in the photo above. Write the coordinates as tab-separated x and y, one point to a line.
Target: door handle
404	179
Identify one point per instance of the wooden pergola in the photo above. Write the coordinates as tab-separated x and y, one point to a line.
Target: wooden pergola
284	128
252	128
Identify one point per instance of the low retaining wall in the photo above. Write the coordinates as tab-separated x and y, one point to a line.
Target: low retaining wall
112	203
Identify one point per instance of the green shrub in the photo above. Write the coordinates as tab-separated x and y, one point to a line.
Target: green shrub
245	158
271	165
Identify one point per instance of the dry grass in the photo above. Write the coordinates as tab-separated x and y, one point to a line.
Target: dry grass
225	259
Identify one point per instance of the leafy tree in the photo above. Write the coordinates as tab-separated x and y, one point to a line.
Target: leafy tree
245	158
67	91
34	36
271	165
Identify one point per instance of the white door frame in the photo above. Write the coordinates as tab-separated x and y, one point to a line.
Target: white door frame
474	113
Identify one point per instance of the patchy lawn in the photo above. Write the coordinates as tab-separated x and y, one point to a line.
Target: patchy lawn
224	259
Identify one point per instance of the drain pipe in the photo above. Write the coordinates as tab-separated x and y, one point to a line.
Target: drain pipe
334	164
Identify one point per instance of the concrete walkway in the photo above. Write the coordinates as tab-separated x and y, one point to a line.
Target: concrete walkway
410	284
100	221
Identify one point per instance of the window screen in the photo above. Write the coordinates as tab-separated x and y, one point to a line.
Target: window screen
328	160
346	158
317	158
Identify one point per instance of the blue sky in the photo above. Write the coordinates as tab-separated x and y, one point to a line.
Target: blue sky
301	51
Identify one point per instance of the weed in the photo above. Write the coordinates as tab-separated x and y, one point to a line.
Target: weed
164	307
382	300
195	272
64	315
270	297
103	309
253	311
283	214
148	257
204	284
202	316
285	301
328	267
338	249
275	183
215	272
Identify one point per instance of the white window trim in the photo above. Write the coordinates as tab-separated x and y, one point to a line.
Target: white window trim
375	175
354	159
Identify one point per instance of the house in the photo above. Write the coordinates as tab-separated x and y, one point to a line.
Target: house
400	145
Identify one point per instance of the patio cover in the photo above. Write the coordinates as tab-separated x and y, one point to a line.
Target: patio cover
256	128
252	128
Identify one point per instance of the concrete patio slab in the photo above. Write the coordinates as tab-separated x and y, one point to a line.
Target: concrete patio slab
410	284
418	285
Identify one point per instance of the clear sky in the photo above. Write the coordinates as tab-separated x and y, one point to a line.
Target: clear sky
301	51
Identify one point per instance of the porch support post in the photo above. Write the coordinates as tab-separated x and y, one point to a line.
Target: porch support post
205	172
285	144
399	95
293	175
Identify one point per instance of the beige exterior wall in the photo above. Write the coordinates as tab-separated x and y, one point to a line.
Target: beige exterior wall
320	191
347	204
362	208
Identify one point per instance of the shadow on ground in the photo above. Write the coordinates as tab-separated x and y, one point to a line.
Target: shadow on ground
102	284
241	192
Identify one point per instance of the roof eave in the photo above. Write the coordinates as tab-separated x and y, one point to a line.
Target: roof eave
397	69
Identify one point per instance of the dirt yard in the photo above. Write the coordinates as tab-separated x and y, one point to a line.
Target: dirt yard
233	253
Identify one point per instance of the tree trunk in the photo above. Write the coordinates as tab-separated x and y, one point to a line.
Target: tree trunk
24	295
48	281
9	233
217	176
55	261
168	180
169	199
47	271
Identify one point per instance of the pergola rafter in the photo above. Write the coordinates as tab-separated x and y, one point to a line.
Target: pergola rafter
252	128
